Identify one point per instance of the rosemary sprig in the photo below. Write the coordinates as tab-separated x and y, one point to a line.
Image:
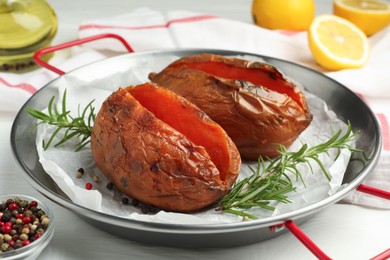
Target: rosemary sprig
271	182
75	127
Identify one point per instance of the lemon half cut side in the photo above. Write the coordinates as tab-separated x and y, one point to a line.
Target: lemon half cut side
337	44
370	16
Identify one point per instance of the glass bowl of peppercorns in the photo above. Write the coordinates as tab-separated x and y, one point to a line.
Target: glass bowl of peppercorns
26	227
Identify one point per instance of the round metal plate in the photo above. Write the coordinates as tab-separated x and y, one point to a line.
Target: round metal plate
347	105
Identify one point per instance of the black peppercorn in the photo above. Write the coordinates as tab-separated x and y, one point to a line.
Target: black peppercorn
125	201
110	186
6	217
134	202
31	233
154	209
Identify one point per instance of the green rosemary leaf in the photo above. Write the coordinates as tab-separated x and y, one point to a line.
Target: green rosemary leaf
82	144
69	134
37	114
62	118
64	102
74	127
51	138
299	153
88	107
326	173
50	106
242	214
252	194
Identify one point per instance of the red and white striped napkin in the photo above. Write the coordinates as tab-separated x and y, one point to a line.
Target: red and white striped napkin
146	29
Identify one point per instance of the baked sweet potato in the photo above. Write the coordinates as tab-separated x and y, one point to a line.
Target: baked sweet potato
256	105
159	148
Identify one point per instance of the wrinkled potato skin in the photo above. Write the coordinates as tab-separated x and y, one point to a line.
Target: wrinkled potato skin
255	118
150	161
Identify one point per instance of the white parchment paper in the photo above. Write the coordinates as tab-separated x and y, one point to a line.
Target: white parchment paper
98	82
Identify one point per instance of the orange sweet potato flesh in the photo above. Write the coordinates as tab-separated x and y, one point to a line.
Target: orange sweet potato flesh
159	148
255	104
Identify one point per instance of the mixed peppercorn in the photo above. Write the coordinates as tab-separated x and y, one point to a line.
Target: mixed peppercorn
21	223
125	201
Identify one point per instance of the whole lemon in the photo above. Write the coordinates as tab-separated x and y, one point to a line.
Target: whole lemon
294	15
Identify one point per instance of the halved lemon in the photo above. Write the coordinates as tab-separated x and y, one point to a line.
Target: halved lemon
370	16
337	43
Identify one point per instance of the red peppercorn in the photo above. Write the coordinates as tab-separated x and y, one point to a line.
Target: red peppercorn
6	229
13	206
2	223
33	203
26	220
37	235
20	215
11	243
88	185
25	242
9	223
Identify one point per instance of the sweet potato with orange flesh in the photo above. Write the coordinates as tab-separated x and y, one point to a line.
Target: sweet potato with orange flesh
203	132
159	148
263	75
255	104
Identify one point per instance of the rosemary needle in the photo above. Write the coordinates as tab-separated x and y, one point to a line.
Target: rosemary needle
75	127
271	182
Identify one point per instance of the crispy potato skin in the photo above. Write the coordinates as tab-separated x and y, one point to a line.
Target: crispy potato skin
150	161
255	117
